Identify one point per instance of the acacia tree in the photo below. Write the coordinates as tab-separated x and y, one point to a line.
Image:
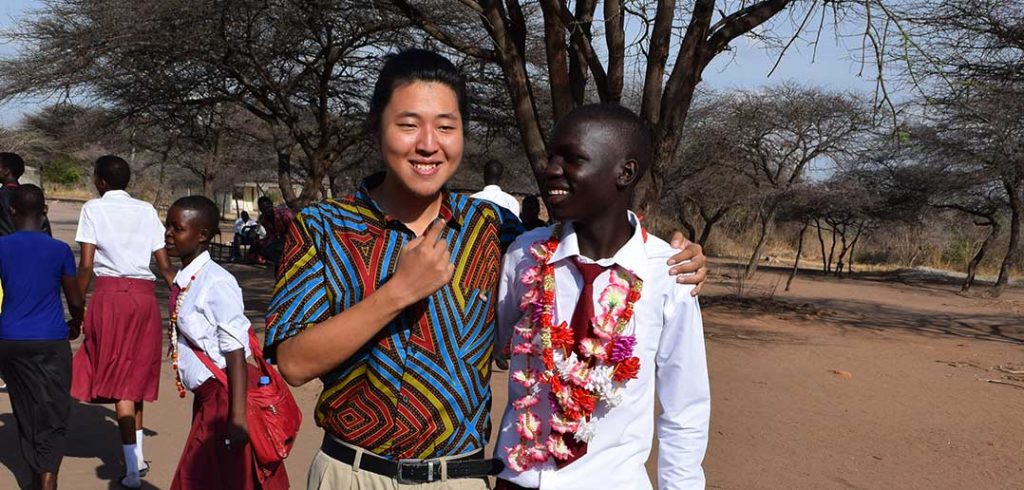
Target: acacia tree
303	67
983	138
212	142
676	43
703	185
972	79
780	132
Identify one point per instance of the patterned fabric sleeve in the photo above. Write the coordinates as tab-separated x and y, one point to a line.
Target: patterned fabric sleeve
300	298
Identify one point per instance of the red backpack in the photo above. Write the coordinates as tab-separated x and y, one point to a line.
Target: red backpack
272	414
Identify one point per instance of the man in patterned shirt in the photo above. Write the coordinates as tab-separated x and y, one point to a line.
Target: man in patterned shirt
387	296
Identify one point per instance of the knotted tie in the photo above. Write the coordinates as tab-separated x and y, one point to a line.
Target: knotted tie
580	325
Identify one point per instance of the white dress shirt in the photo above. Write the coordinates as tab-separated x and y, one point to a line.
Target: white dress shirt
126	232
493	193
240	225
212	317
670	345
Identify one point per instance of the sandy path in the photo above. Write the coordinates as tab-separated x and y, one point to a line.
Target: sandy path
895	417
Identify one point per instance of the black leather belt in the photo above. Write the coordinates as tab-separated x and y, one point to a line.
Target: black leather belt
407	471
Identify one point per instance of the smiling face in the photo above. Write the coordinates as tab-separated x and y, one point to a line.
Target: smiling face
184	232
421	137
586	172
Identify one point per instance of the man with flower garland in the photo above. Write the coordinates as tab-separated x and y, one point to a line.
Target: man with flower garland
595	325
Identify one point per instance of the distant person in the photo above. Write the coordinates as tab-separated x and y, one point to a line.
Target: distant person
492	192
119	360
530	215
12	167
246	231
34	351
208	314
275	221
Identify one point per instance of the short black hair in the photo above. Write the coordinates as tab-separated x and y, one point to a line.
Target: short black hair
209	213
264	199
492	171
244	215
13	162
28	200
637	141
114	171
414	65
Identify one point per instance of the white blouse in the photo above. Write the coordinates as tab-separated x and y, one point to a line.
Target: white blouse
212	317
126	232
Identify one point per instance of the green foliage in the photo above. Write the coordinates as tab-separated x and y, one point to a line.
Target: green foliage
959	251
63	169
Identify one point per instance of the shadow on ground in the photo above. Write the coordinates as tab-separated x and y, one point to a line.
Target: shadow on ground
867	315
92	434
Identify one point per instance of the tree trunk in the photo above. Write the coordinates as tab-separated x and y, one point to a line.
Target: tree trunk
821	240
513	66
705	232
972	267
842	251
709	223
284	176
311	188
1011	260
208	185
853	246
831	249
767	226
799	250
691	231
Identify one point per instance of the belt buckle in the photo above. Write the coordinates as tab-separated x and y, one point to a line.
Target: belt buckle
405	463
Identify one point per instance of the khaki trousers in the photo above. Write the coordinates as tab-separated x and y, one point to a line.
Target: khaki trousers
327	473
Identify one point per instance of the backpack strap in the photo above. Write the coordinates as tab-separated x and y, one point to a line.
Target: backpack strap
254	346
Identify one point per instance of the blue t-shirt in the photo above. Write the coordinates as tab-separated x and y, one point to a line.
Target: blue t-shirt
31	267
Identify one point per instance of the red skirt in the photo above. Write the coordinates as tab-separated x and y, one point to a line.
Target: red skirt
206	462
120	356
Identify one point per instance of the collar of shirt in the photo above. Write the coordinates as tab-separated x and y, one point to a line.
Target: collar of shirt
632	256
114	194
493	187
184	277
374	211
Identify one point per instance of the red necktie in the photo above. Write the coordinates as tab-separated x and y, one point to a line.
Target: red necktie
580	324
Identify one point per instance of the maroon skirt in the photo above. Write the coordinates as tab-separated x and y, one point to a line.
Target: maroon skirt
206	462
120	356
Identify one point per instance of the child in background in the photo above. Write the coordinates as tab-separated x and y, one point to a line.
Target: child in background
35	355
208	312
119	360
597	326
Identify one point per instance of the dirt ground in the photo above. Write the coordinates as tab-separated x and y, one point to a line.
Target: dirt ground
874	382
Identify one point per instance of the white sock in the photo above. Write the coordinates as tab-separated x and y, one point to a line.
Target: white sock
131	460
138	450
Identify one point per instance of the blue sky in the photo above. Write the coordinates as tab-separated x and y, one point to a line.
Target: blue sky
747	66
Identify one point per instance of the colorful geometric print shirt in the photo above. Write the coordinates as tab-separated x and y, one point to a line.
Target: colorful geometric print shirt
419	389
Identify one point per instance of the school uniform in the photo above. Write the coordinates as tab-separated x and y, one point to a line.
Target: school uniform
493	193
669	344
120	356
212	319
35	355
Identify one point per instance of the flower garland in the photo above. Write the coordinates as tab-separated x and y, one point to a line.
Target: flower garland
172	335
578	380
